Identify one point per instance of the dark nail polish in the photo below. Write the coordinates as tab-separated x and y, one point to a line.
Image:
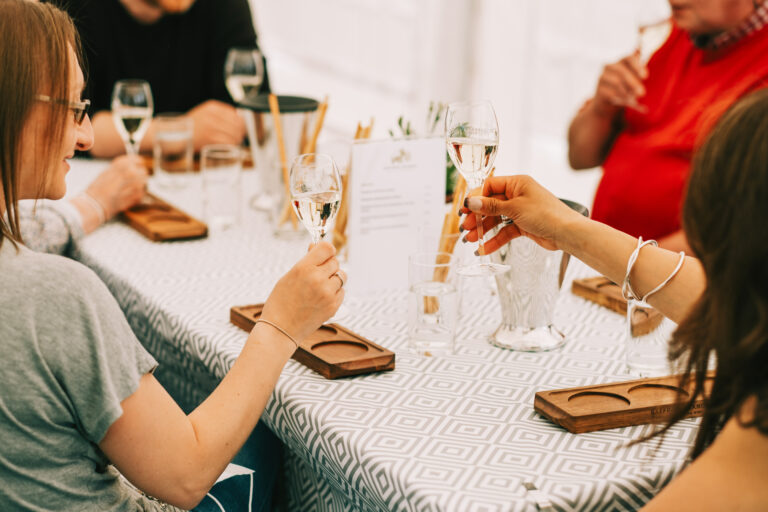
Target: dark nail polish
477	253
464	240
465	202
461	228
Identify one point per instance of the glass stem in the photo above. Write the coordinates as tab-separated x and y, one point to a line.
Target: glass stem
479	221
132	148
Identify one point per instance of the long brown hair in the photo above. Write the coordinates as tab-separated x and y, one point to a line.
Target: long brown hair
34	59
725	217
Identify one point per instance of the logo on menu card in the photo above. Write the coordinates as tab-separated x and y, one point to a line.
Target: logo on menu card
401	157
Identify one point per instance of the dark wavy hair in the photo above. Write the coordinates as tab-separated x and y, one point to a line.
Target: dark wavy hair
725	217
34	59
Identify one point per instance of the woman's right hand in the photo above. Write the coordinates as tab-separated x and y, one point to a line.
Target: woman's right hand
620	85
528	209
121	186
308	294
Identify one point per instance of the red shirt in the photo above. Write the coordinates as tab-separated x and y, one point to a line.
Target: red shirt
687	89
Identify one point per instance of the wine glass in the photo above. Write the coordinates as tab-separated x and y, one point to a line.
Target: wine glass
243	75
472	135
132	109
243	72
651	34
315	192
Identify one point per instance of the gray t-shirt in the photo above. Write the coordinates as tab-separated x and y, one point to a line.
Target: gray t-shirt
67	360
50	226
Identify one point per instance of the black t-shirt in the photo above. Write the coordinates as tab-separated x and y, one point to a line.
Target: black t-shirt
181	55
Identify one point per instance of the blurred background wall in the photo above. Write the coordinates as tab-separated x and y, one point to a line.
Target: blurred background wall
536	60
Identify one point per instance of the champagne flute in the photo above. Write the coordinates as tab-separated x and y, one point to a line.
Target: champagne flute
243	72
315	192
243	75
472	135
651	34
132	109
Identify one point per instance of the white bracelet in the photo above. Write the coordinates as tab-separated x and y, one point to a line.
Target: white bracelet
669	277
101	213
626	287
279	329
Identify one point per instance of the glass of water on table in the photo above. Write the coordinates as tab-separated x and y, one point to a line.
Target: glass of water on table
433	303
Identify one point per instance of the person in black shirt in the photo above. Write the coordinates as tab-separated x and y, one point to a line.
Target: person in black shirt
179	47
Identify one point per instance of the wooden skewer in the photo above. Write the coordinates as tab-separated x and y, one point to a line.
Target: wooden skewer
311	144
448	238
274	108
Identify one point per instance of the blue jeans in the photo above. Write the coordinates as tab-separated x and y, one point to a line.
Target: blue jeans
262	453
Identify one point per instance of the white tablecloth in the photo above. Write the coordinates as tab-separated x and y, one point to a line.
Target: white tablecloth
450	433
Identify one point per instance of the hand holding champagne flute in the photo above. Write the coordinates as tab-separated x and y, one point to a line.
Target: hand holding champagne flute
472	135
315	192
132	110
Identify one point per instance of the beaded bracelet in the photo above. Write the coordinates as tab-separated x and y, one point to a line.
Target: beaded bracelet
101	213
669	277
296	343
626	287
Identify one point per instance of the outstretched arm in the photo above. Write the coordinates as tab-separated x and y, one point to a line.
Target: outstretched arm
176	457
539	215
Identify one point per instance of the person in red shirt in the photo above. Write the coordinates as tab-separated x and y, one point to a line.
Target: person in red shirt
644	120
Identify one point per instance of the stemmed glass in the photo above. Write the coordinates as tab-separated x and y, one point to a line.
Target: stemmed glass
132	110
243	72
472	135
315	192
243	75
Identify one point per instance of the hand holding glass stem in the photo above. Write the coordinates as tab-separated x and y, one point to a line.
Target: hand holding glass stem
472	135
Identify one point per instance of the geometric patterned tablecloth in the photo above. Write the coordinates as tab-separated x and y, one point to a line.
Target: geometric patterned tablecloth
451	433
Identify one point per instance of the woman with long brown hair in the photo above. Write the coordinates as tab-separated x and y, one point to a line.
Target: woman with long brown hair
719	298
78	396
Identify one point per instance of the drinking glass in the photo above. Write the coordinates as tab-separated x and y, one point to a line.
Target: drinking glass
647	342
132	109
173	152
315	186
472	135
220	166
650	36
243	72
433	303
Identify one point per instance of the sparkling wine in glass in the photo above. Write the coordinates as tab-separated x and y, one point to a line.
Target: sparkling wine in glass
243	72
472	135
315	192
132	110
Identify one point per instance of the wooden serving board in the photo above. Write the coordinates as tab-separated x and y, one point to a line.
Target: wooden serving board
160	221
605	292
332	351
618	404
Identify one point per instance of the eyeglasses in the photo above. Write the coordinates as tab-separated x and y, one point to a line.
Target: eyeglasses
80	108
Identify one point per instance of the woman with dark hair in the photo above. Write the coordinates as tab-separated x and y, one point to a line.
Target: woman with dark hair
720	300
78	396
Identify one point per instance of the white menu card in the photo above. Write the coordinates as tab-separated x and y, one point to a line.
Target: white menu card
396	194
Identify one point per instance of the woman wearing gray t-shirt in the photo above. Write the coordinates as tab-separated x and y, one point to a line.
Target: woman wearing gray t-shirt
79	401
